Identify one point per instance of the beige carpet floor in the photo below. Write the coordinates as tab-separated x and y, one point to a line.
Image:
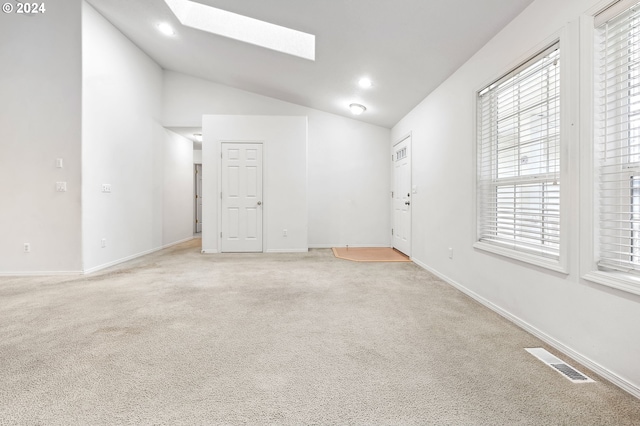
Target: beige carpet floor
178	337
370	254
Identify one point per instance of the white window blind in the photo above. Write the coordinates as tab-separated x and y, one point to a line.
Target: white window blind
518	149
617	140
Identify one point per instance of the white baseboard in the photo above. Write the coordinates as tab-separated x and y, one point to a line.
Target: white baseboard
209	251
184	240
571	353
134	256
302	250
322	246
95	268
38	273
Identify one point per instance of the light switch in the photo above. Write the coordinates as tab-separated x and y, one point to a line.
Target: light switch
59	163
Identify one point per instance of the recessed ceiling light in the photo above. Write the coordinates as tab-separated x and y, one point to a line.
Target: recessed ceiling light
166	29
365	83
357	109
243	28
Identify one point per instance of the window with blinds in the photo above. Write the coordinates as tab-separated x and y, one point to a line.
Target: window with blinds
518	158
617	140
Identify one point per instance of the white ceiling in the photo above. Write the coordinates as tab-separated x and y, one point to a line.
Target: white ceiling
407	47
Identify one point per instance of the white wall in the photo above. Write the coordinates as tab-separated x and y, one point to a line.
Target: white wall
178	188
285	176
348	161
125	145
598	325
40	109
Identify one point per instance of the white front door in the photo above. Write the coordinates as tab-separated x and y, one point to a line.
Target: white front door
241	198
402	196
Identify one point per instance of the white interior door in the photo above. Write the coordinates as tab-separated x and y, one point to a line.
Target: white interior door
198	198
241	198
402	196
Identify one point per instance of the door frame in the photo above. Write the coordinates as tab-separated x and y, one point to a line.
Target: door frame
264	190
197	220
403	138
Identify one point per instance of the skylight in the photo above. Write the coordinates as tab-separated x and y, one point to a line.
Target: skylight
243	28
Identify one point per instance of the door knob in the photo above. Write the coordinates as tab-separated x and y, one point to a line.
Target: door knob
259	203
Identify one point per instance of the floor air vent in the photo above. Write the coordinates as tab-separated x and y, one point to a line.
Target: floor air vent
565	369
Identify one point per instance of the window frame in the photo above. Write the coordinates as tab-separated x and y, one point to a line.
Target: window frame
560	264
589	175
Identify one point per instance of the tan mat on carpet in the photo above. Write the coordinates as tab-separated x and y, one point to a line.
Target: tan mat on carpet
370	254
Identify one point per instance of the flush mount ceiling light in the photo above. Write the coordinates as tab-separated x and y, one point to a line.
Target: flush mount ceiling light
243	28
365	83
357	109
166	29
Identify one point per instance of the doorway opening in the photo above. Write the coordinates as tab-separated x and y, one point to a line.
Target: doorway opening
197	211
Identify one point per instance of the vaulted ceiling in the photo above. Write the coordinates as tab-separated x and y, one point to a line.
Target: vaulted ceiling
406	47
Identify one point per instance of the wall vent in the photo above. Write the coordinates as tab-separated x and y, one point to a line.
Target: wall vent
558	365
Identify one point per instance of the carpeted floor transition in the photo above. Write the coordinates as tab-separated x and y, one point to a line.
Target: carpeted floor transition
178	337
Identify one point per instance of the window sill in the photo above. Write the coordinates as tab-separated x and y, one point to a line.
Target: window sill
617	280
542	262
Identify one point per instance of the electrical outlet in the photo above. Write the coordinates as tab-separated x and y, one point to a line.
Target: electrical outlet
450	253
103	242
27	248
61	186
284	232
106	187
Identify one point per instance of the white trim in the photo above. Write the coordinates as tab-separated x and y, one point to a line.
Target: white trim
39	273
617	280
588	204
328	246
612	10
589	221
184	240
403	138
533	259
571	353
90	270
209	251
569	45
409	138
302	250
264	190
134	256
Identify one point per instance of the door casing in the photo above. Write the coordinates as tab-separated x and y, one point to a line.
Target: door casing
400	196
